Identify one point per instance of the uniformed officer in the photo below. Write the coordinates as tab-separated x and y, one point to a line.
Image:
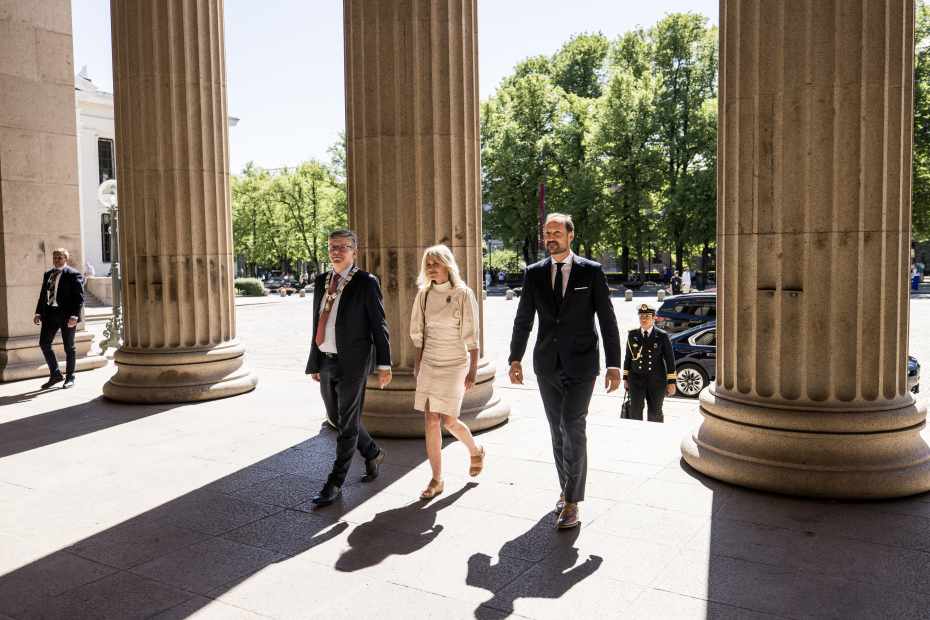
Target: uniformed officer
648	366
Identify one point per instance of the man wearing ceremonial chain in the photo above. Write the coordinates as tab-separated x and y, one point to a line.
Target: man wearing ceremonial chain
350	340
648	366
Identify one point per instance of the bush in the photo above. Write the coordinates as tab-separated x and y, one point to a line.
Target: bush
250	286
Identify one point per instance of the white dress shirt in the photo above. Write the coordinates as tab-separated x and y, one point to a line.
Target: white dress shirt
54	303
566	270
329	337
645	332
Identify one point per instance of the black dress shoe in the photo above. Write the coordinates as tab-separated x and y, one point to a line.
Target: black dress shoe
327	495
69	383
372	466
53	380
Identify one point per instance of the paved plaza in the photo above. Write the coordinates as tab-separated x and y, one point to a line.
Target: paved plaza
201	511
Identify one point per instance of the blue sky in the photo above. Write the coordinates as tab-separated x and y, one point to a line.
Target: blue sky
284	60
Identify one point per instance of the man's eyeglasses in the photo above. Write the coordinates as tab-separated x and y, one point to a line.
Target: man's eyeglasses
340	248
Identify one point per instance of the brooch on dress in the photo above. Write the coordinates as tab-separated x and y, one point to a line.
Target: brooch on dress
449	299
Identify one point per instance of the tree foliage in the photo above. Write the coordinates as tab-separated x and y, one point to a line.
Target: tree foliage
623	133
920	229
284	215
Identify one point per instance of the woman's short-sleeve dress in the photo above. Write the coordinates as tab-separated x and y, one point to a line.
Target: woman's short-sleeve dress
451	332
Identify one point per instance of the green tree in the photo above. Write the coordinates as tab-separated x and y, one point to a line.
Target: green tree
681	51
630	161
516	128
920	201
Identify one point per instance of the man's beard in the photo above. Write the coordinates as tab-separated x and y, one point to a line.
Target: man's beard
557	250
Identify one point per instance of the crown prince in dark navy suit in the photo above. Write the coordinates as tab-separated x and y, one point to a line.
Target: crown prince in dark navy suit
59	308
566	291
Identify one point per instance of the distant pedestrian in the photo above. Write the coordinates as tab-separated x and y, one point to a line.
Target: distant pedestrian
487	281
686	281
500	278
915	276
675	285
668	275
59	308
89	271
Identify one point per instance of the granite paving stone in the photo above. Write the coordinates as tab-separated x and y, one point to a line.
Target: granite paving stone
289	532
138	541
117	597
46	577
820	597
206	565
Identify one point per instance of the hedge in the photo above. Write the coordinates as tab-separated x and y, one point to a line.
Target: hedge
250	286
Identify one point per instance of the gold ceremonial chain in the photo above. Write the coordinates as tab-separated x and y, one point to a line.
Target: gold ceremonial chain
331	298
635	356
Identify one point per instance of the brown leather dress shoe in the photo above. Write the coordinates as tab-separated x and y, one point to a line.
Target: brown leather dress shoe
559	505
570	515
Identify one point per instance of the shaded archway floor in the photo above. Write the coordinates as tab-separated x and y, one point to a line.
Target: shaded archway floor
201	511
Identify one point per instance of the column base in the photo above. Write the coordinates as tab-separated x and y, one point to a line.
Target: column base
390	413
21	357
830	455
180	375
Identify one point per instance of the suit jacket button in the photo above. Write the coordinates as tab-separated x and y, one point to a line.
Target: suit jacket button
556	339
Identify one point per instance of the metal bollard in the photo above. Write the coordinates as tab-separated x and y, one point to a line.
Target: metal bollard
509	295
662	295
303	293
629	295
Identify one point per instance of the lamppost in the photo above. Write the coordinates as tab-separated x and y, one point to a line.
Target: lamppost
113	334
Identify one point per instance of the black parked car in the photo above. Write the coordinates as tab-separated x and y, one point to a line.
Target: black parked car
695	358
696	361
683	312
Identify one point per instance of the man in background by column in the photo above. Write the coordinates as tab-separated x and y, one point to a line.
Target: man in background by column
350	340
59	308
686	281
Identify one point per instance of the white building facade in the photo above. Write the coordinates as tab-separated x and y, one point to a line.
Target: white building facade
96	163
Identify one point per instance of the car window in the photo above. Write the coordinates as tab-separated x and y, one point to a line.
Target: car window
682	307
704	308
707	339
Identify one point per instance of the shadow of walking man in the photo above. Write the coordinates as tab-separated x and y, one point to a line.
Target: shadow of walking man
400	531
551	577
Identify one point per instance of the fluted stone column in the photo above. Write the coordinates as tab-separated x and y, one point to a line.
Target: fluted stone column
414	175
179	326
813	235
39	202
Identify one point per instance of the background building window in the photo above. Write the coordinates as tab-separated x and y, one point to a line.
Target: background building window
105	237
105	160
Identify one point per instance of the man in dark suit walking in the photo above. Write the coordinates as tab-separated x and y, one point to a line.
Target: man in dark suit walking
59	308
350	340
566	291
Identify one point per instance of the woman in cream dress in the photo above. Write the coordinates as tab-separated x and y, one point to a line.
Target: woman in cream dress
447	363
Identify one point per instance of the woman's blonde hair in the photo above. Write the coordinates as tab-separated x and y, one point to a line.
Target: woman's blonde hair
443	256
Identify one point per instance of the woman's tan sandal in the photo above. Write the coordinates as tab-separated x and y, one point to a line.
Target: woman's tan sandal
477	464
433	489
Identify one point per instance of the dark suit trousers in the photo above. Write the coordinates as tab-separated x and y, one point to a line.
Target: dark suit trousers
653	396
51	323
566	403
344	399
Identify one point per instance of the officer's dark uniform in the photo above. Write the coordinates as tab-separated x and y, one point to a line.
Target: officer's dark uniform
649	368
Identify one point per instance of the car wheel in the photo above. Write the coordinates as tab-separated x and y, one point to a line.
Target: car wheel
690	381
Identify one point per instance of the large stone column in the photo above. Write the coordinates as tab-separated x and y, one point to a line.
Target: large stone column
39	205
414	175
179	324
813	234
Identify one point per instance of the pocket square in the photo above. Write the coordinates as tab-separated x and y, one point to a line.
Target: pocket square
580	288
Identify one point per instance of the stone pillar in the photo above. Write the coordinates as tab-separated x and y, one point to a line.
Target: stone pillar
39	204
414	175
179	327
813	231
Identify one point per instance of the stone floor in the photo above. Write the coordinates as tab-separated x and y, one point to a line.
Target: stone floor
201	511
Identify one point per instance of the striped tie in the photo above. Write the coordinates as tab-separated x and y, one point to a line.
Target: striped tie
52	279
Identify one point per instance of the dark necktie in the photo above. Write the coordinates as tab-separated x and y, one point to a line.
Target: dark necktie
324	316
52	279
558	286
